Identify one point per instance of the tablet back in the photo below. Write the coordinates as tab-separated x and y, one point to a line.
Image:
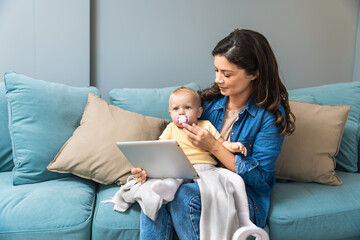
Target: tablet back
160	158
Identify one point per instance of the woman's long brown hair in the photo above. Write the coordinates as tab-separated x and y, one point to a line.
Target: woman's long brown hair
249	50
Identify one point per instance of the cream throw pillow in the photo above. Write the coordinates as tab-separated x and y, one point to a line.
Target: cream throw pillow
91	152
308	154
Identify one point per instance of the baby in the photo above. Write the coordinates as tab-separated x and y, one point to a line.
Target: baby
185	107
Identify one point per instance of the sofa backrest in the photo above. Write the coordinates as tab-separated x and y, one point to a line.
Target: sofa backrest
6	161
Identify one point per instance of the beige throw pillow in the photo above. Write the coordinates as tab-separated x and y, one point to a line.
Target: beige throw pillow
91	152
308	154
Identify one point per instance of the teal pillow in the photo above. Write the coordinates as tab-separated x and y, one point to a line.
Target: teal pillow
152	102
6	161
341	94
43	116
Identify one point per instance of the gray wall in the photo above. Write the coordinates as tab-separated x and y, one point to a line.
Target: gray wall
356	74
46	39
158	43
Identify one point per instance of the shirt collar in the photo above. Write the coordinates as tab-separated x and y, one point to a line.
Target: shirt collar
221	104
250	106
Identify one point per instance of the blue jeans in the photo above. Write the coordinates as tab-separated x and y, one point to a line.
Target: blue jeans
183	214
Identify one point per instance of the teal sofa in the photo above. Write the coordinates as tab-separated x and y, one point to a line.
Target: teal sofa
38	204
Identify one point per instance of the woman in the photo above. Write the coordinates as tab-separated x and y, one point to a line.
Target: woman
247	103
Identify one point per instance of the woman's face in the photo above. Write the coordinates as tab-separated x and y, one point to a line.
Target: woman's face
232	81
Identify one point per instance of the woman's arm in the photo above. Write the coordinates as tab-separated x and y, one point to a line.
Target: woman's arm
258	168
203	139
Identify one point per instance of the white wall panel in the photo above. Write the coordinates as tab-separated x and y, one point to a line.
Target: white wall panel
356	74
17	39
46	39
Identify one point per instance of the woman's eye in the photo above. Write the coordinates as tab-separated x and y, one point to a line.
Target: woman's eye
227	76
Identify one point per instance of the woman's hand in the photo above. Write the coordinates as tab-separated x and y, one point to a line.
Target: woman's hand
139	174
201	138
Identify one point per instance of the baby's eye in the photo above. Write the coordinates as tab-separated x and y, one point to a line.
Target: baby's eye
175	108
187	107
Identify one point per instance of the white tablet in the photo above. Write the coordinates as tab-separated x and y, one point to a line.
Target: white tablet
160	158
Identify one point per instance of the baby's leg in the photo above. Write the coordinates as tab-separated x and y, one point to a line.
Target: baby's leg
203	167
166	188
241	201
247	228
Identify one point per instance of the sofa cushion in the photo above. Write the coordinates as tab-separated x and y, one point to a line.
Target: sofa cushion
308	154
55	209
146	101
43	116
92	153
109	224
341	94
316	211
303	98
6	160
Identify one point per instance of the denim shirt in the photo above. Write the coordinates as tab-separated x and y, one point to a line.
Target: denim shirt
255	128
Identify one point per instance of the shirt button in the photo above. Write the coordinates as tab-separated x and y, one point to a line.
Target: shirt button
256	208
250	145
232	133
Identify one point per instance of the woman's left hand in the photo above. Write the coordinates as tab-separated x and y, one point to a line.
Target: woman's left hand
200	137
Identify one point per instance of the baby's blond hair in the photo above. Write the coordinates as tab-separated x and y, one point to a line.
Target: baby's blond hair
183	89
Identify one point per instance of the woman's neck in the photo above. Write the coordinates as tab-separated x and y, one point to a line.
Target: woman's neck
237	102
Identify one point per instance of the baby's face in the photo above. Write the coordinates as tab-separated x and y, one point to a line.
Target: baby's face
184	104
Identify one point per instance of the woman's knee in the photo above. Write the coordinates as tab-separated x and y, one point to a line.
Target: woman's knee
188	193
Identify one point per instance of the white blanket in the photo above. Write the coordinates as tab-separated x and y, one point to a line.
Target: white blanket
219	218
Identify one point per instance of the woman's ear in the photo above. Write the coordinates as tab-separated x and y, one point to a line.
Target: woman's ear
255	76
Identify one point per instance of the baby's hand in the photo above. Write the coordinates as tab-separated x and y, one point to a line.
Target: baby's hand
139	174
238	147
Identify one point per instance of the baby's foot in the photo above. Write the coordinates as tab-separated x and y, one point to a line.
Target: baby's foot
165	189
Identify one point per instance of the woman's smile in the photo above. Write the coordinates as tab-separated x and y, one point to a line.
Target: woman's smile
222	88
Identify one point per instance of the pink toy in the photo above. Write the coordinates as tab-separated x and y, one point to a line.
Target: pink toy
182	119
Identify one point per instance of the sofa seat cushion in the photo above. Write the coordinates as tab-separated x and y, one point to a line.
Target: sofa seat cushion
56	209
316	211
109	224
